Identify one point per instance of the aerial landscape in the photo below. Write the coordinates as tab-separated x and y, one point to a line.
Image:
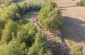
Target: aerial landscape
42	27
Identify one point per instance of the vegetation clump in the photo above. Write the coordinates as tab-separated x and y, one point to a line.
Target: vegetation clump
9	30
77	49
81	3
14	47
50	16
18	34
39	47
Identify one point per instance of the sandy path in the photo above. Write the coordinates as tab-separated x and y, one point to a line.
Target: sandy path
73	20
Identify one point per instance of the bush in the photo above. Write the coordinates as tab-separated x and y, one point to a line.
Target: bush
9	31
14	8
50	16
12	12
77	49
45	10
27	33
33	7
53	21
39	47
81	3
23	7
15	47
7	2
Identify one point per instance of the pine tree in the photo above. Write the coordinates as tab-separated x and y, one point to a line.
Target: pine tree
27	33
54	20
14	47
9	30
50	16
39	47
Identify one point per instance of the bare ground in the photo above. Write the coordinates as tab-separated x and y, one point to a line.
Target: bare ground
73	21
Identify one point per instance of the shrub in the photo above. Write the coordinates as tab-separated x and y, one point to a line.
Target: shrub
27	33
14	8
39	47
30	27
50	16
15	47
9	31
77	49
81	2
12	12
33	7
23	7
7	2
53	21
45	10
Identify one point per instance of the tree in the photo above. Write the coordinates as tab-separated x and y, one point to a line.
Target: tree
39	47
27	33
15	47
9	30
77	49
50	16
54	20
12	12
23	6
45	10
81	2
14	8
7	2
33	7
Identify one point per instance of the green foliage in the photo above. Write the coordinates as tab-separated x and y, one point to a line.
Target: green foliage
39	47
6	2
81	3
53	21
25	18
77	49
12	12
14	8
15	11
19	33
40	1
50	16
9	31
15	47
45	10
33	7
29	7
27	33
23	6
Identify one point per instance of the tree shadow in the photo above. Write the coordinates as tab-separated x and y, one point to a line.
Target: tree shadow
73	29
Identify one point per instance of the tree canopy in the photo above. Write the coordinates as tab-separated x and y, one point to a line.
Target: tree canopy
50	16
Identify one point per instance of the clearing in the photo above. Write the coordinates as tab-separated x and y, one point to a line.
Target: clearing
73	21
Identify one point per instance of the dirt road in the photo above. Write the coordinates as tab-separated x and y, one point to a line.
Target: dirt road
73	20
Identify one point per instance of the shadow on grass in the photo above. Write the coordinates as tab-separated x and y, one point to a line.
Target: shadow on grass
73	29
